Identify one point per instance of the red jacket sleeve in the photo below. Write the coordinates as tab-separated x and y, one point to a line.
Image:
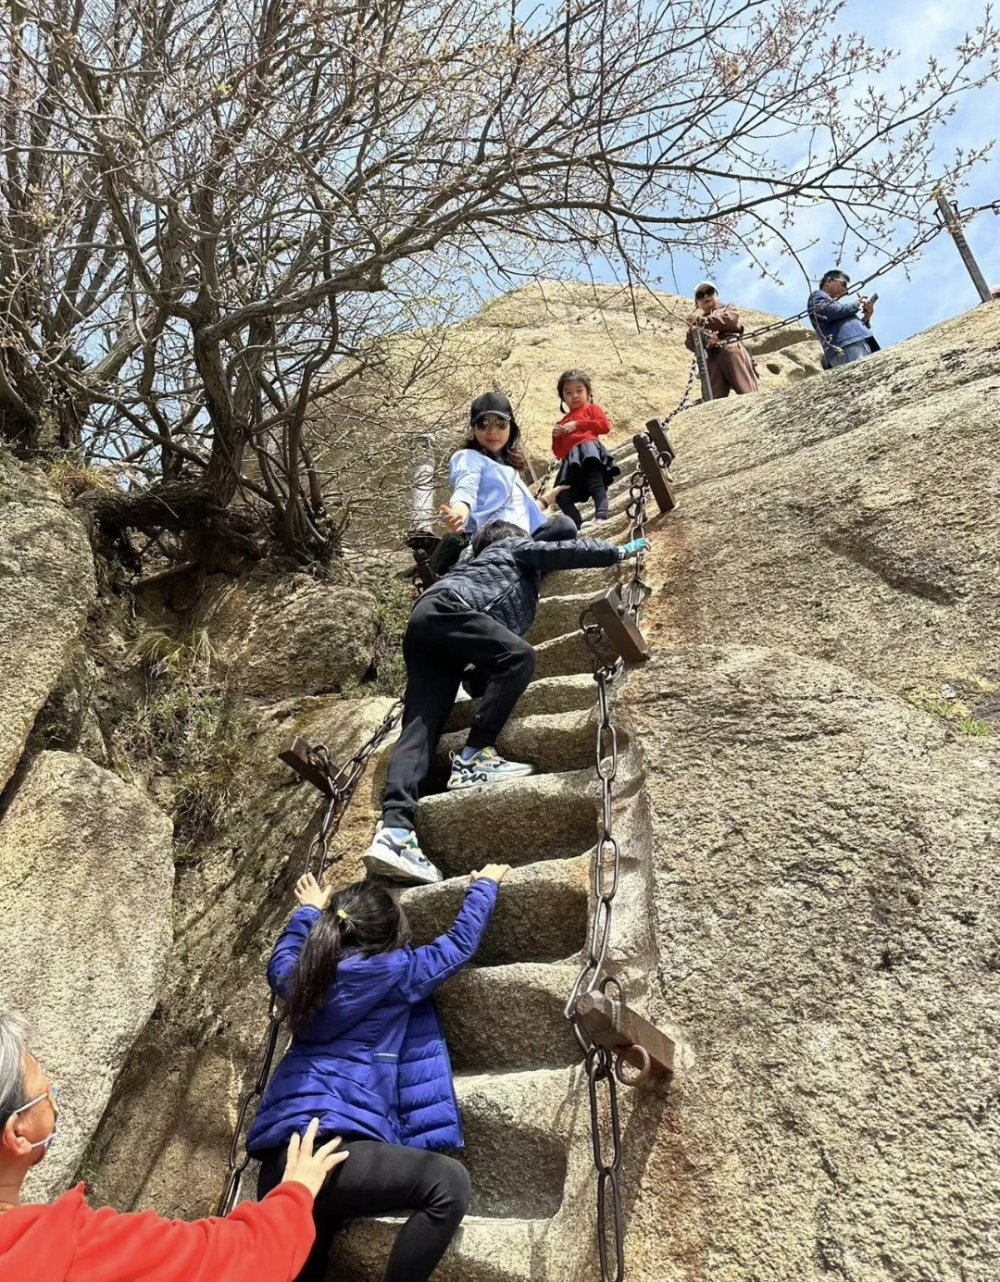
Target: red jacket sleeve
267	1241
597	420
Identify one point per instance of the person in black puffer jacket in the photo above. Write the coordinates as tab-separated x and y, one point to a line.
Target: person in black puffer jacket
477	615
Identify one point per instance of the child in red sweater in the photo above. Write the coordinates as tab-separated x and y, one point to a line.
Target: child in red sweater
587	467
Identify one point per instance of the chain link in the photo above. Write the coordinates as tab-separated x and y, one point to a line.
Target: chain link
317	860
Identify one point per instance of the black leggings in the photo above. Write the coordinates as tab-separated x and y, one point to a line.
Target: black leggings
384	1179
443	637
593	475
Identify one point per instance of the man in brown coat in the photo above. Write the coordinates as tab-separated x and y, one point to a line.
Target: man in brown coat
730	368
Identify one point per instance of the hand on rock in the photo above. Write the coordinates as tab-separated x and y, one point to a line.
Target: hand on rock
549	497
492	872
303	1166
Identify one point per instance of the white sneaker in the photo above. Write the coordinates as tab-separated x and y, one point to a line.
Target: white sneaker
486	766
399	858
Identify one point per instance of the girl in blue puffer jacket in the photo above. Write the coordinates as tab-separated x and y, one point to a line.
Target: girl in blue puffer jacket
368	1059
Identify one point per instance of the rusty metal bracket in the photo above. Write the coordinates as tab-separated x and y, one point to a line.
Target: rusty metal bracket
298	755
422	572
661	441
619	627
654	474
625	1032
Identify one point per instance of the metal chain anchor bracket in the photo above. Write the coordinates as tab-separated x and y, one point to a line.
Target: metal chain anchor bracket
337	786
618	1044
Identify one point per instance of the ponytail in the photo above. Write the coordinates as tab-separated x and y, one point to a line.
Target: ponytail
362	919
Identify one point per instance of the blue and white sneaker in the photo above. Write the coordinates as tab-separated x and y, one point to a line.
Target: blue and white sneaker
484	766
395	853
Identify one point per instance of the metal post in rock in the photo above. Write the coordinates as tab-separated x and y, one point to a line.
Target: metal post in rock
702	359
950	216
422	486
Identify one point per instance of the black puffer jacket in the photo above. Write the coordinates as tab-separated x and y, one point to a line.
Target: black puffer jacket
504	579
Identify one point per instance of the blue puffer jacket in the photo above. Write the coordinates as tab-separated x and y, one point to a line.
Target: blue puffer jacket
836	321
505	578
374	1065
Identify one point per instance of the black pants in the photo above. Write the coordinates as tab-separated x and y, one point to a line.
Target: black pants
593	475
442	638
384	1179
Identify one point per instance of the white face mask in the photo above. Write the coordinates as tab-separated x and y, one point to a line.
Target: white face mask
53	1095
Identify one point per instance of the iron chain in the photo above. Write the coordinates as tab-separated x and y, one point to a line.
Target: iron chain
317	861
602	1071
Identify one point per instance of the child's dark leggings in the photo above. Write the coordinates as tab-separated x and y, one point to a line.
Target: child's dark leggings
593	475
384	1179
442	638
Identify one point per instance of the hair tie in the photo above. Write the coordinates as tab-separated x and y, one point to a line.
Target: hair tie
343	917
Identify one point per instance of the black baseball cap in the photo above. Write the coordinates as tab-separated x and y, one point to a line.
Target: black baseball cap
491	403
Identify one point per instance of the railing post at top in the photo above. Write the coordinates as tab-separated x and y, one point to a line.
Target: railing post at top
962	245
702	359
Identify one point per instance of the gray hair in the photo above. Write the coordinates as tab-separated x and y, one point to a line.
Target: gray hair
13	1048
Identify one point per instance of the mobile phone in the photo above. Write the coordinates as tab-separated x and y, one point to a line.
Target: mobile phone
874	298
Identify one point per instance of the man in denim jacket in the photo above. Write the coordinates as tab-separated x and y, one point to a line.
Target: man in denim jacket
841	322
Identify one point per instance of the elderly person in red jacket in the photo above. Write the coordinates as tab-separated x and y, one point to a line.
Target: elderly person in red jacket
730	367
66	1241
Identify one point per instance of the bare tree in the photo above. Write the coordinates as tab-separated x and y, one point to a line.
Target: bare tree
213	207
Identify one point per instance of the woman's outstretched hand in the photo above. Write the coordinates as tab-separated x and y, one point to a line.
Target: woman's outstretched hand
310	894
454	516
303	1166
492	872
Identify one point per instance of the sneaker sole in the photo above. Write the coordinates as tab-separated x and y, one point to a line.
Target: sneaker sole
380	867
457	785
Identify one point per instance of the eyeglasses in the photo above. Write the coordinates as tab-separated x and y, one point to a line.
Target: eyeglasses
704	293
490	421
52	1095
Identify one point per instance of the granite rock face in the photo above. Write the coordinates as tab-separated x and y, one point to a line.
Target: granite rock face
827	865
46	588
87	873
286	635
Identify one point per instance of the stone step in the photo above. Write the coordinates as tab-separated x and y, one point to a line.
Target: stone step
552	743
548	697
541	914
484	1250
557	615
552	816
516	1134
509	1018
578	582
563	655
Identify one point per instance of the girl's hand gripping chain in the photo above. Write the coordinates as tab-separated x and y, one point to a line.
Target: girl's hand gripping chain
310	894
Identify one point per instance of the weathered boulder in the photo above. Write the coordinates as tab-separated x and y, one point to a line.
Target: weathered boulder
853	517
284	635
827	865
179	1090
87	871
46	588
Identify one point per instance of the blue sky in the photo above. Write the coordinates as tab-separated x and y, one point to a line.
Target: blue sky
938	286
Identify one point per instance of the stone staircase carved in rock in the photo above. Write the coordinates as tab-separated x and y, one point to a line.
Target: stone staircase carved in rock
518	1071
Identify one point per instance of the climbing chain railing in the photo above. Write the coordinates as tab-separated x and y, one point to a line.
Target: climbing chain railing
314	765
605	1059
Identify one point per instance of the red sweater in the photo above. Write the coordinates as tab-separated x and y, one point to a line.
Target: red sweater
591	421
66	1241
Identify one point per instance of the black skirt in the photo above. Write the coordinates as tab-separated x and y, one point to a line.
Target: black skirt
572	471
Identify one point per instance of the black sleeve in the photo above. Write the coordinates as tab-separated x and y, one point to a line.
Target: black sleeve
577	554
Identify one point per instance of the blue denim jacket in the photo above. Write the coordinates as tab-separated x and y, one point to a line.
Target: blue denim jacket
836	321
493	491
